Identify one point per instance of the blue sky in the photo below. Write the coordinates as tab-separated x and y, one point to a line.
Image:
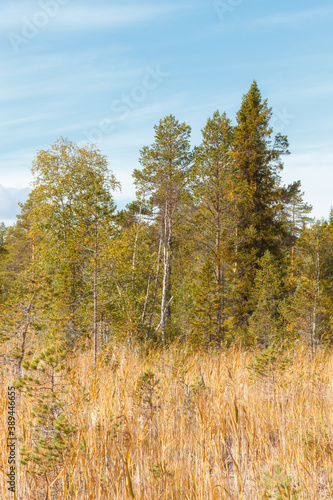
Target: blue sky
106	72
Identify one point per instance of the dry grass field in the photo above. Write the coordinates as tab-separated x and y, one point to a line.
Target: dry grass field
186	425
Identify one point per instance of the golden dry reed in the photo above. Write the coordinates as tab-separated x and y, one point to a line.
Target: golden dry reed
186	425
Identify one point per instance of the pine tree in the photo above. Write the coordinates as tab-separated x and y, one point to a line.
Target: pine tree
44	383
163	179
295	214
265	324
306	309
213	212
206	306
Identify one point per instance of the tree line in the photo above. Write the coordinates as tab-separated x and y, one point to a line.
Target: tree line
213	251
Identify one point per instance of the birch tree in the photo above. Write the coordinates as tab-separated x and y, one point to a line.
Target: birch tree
71	218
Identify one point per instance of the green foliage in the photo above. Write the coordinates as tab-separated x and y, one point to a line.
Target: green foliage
52	438
294	215
51	430
146	390
214	250
163	178
265	324
165	163
71	218
271	362
160	471
257	156
216	191
280	486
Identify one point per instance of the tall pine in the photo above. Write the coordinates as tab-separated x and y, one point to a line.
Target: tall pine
163	180
213	213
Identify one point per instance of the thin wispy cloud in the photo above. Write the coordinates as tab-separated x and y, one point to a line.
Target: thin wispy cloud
115	17
293	18
22	121
88	17
81	73
110	79
311	91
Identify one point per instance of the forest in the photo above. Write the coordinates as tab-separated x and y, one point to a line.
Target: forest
177	347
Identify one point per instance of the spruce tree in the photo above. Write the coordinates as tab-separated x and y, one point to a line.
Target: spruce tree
257	162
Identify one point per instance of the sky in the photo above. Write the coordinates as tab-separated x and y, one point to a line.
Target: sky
107	71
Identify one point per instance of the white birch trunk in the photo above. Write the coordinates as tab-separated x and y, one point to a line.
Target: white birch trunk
166	266
95	295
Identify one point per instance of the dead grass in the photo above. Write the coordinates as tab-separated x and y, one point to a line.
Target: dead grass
196	427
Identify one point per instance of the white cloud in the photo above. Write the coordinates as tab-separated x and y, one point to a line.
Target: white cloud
9	199
314	168
15	168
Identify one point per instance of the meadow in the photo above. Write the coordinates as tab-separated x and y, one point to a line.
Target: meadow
179	424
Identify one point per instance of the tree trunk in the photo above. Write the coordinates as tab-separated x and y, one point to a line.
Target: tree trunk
293	245
155	288
135	245
166	270
24	336
95	294
143	316
72	327
164	291
315	304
